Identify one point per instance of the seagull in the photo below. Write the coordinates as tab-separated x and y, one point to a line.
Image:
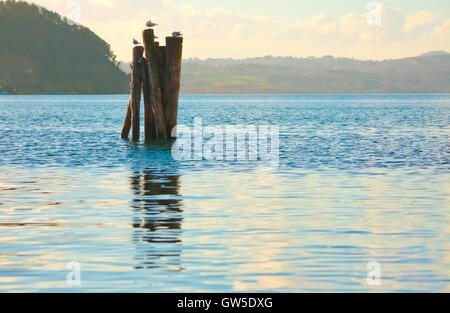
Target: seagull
136	42
177	34
151	24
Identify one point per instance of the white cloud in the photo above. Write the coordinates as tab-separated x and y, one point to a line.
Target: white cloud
104	3
443	31
321	24
351	24
419	21
352	28
223	33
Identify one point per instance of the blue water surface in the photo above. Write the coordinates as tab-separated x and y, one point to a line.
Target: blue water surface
360	178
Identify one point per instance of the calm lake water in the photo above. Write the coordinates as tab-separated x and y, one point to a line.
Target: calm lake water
360	179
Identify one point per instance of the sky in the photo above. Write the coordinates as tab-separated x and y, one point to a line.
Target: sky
360	29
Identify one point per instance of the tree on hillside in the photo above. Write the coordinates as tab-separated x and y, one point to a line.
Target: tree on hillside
41	52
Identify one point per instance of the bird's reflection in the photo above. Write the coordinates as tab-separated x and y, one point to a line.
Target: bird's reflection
157	219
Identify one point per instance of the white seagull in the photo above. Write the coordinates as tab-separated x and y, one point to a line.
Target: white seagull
150	24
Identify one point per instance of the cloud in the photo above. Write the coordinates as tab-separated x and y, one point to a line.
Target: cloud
223	33
321	24
443	31
420	21
351	24
104	3
354	28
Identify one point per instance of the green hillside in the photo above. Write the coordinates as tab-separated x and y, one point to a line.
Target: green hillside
428	73
41	53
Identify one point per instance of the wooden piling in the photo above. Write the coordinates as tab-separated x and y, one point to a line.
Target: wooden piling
162	74
158	76
151	54
149	120
135	98
173	53
127	122
136	87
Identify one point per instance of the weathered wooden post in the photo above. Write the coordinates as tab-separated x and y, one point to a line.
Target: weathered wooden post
149	119
159	76
136	84
173	51
133	109
151	53
127	122
162	76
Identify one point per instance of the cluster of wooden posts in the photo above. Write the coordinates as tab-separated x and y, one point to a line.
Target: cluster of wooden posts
157	75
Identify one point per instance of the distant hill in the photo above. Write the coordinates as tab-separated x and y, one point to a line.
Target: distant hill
428	73
41	53
434	53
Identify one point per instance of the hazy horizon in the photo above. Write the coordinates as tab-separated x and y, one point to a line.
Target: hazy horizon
364	30
307	57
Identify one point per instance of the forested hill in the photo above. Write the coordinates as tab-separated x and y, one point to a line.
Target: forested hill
41	53
427	73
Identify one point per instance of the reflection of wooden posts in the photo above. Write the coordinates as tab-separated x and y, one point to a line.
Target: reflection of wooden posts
172	80
159	76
